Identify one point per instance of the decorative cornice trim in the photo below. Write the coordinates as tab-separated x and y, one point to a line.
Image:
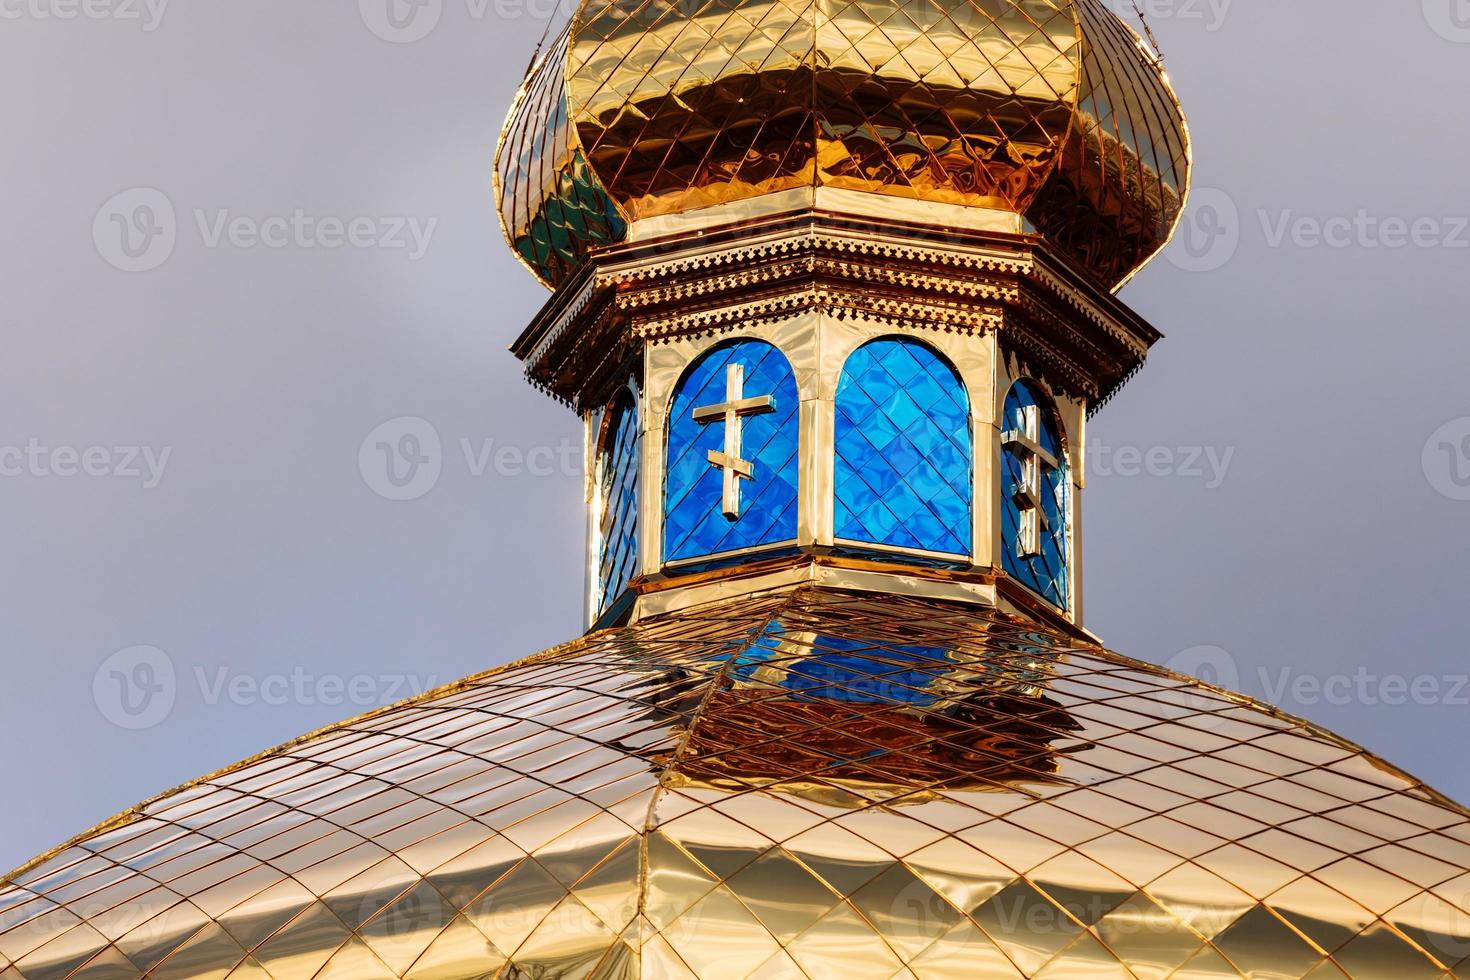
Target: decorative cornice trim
771	269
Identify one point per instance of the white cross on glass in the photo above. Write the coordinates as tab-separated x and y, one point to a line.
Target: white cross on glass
733	411
1036	462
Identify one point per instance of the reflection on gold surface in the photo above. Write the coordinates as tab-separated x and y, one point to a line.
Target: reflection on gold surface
1120	186
957	102
804	784
551	207
864	722
1052	109
745	740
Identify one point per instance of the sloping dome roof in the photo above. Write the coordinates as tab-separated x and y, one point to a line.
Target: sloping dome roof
1052	109
814	783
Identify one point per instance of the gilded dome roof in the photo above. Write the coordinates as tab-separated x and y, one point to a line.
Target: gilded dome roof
811	784
1051	109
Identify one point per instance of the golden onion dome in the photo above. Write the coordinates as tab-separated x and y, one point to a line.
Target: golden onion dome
1051	110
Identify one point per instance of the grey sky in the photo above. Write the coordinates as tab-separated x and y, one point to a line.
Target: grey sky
1284	515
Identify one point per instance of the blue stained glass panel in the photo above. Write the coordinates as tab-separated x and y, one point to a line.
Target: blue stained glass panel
905	450
1044	572
617	481
695	525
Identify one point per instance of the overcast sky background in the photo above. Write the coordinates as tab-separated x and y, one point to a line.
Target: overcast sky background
1331	545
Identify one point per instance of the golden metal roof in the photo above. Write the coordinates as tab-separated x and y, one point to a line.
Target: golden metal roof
1052	109
810	784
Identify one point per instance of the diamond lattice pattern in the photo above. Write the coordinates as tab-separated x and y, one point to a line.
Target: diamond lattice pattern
695	525
905	457
1044	571
959	101
1120	186
1050	108
552	207
803	785
617	467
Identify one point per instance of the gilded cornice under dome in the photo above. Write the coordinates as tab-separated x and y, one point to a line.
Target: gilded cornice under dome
1053	110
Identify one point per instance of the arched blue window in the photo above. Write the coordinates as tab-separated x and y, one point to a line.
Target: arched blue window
732	465
617	489
905	450
1034	493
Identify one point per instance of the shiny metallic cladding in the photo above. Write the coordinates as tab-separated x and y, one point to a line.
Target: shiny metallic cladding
810	784
1052	109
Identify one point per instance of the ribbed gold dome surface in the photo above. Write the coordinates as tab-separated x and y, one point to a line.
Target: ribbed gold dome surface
1051	109
813	784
